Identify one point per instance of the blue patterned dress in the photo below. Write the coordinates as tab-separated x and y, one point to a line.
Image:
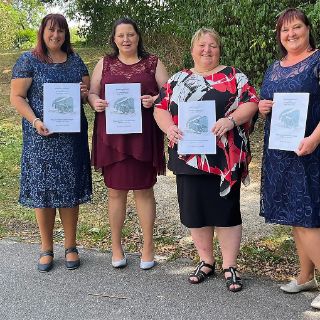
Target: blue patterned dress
55	170
290	187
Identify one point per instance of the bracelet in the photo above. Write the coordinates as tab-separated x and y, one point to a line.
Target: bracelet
34	121
233	121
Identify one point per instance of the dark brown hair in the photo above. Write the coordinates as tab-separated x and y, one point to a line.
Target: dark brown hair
142	53
41	50
287	16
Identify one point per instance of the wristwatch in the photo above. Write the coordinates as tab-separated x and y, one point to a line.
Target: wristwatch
233	121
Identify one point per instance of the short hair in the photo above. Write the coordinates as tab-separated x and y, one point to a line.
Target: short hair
289	15
126	20
201	32
41	50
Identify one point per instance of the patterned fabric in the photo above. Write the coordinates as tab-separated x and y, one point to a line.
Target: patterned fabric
55	170
147	146
290	186
229	88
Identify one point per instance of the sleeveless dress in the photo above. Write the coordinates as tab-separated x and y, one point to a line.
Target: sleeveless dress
55	170
129	161
290	186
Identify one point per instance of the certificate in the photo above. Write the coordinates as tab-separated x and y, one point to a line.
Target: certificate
123	115
288	121
195	120
61	107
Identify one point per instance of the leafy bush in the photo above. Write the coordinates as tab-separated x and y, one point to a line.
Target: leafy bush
25	38
246	27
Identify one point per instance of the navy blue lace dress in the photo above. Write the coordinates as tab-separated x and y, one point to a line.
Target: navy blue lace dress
290	187
55	170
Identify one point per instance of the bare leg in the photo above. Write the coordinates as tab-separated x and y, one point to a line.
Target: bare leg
46	218
117	201
309	243
306	265
203	240
146	209
229	239
69	219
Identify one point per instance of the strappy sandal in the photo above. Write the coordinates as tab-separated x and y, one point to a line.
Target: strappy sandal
71	265
199	274
45	267
233	280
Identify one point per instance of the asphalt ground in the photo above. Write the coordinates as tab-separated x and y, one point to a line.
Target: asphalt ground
98	291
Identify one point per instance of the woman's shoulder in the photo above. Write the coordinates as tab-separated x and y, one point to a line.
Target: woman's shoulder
24	66
152	57
27	56
75	57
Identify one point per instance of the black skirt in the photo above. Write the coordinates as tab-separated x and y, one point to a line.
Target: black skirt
201	204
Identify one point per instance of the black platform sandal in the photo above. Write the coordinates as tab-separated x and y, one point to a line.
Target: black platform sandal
199	274
233	280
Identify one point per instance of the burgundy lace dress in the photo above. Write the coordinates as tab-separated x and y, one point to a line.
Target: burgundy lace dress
129	161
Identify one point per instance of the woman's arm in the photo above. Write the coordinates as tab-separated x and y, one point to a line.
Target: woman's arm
94	100
241	115
161	77
161	74
309	144
166	124
265	107
84	88
18	95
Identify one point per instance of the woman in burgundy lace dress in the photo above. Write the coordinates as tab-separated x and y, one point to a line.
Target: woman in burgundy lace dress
129	161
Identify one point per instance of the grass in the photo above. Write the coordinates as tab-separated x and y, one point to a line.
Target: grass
270	256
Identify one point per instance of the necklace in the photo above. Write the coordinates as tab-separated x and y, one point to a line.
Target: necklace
57	59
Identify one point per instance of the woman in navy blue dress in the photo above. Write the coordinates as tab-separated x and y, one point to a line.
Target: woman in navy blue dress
290	193
55	167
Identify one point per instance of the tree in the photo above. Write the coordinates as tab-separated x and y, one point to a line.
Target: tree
8	22
246	26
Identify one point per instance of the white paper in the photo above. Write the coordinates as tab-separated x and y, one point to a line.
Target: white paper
195	120
123	115
61	107
288	121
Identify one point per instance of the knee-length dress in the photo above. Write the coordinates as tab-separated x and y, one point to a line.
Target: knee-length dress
290	187
55	170
129	161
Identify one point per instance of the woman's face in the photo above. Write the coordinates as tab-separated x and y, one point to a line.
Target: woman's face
126	39
206	52
294	36
53	36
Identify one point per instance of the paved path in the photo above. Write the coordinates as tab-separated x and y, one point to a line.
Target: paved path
97	291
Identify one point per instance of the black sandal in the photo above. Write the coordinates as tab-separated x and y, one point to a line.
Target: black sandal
233	280
199	274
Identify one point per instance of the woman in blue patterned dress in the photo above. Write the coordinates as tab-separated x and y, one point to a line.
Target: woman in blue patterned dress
55	167
290	193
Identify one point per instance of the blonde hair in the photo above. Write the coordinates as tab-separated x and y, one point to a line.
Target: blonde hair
201	32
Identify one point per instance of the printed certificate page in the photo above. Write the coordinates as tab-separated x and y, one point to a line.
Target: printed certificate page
288	120
61	107
195	120
123	115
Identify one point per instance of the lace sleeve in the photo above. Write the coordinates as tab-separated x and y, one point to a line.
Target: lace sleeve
23	67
